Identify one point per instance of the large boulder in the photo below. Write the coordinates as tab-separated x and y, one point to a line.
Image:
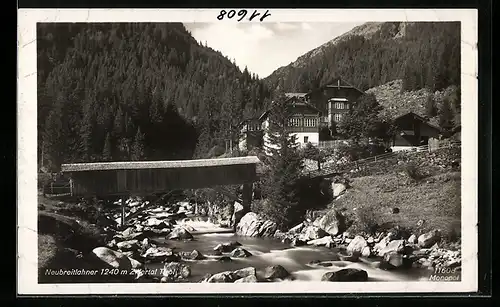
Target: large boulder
346	275
357	245
366	252
227	247
128	233
338	189
175	270
135	264
221	277
275	272
312	233
382	244
252	225
397	246
429	239
108	258
159	253
154	222
180	233
238	213
244	275
394	260
128	245
248	279
196	255
296	229
245	272
333	223
325	241
240	253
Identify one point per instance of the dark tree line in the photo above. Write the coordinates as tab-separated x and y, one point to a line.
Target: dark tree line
133	91
426	56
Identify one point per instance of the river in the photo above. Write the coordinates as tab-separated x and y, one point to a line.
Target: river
266	252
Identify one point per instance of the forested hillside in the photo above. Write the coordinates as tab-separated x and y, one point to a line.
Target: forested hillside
136	91
422	55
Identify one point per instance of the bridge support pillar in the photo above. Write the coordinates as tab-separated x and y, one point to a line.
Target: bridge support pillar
123	214
247	196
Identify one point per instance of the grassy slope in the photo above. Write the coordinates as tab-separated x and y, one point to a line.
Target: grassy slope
62	236
435	199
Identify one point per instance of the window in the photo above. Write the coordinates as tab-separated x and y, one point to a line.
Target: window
337	117
310	122
340	105
294	122
306	139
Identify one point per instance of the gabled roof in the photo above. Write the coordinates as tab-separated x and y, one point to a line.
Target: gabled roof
418	117
247	120
127	165
339	83
298	95
296	103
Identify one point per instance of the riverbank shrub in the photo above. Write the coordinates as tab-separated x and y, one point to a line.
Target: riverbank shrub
412	171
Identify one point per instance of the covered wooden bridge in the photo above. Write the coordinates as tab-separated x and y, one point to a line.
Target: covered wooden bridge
149	177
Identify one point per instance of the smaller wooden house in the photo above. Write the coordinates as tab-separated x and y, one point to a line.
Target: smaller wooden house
252	134
413	130
304	121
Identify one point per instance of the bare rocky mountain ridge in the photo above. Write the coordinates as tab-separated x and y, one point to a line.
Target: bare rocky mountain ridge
367	30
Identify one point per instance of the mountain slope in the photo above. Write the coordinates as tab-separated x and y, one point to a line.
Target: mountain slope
121	91
396	102
423	55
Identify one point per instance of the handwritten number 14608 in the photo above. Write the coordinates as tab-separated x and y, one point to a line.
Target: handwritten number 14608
242	14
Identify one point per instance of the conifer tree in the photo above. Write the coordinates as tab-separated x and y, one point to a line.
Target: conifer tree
363	120
54	138
137	152
86	132
446	116
285	165
107	151
456	106
430	106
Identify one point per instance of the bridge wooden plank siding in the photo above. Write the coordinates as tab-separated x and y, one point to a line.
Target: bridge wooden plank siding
147	177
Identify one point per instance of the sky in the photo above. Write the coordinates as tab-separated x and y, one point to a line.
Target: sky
264	47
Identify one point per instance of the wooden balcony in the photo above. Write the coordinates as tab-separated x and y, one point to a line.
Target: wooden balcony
302	129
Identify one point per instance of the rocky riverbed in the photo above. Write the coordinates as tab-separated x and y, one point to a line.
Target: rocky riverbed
171	243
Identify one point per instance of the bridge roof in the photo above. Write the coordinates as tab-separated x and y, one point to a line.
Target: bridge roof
100	166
